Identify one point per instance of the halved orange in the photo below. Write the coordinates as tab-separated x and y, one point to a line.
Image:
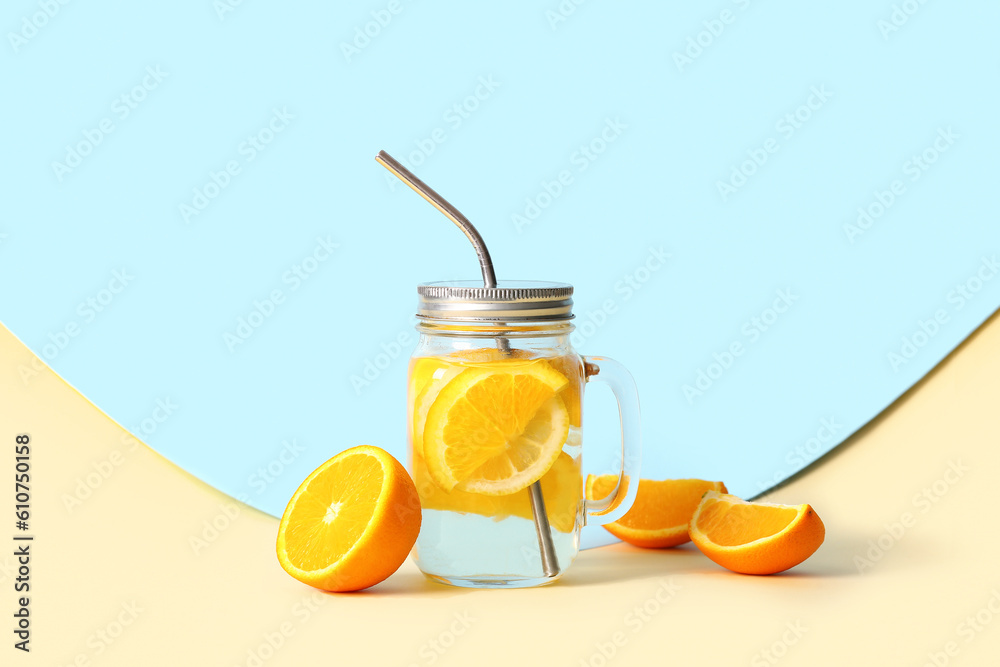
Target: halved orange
755	538
662	509
351	523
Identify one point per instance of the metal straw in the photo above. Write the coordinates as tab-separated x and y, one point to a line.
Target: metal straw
549	563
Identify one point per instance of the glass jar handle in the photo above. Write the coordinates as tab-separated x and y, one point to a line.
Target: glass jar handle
619	501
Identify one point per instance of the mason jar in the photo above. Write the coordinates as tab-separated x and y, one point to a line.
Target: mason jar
495	421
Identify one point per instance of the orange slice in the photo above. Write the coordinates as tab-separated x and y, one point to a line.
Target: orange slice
496	428
562	490
351	523
572	367
755	538
661	512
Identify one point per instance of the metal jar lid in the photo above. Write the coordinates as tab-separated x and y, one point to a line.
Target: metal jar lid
509	301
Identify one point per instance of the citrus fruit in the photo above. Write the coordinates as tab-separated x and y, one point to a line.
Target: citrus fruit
351	523
572	367
428	375
562	491
424	399
662	509
496	427
755	538
422	370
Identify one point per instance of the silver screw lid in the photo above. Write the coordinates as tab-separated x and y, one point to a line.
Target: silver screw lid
509	301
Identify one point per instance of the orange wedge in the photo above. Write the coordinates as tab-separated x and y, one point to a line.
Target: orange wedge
661	512
755	538
351	523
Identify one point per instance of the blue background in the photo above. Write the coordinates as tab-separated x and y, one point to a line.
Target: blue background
886	95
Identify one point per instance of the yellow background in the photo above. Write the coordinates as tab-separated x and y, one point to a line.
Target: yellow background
136	575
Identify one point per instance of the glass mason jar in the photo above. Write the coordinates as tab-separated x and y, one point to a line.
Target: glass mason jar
495	434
